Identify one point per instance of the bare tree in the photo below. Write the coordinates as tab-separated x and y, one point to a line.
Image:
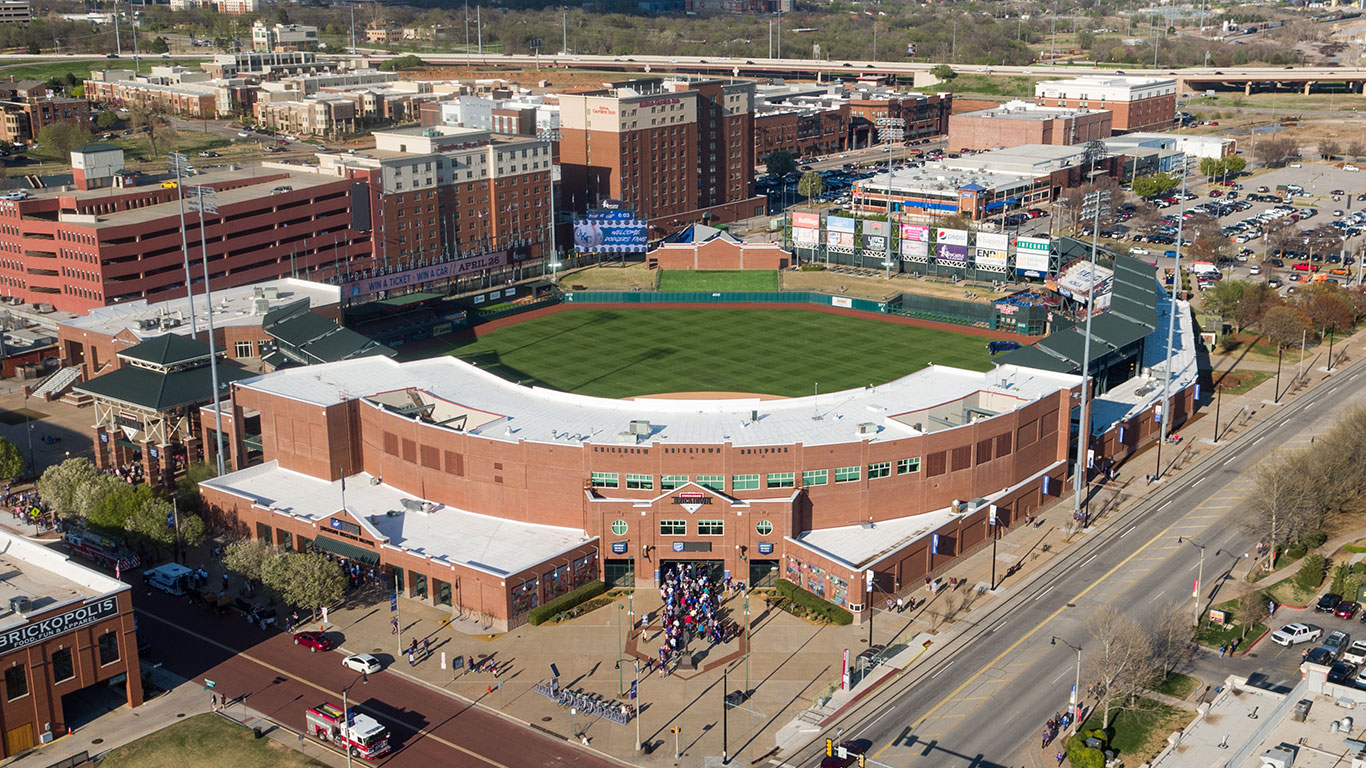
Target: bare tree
1171	638
1119	658
1252	609
153	121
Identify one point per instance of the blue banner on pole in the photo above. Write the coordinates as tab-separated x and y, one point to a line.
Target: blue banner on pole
934	544
393	603
554	670
633	689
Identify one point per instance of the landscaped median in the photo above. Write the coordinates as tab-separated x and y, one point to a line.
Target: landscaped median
206	741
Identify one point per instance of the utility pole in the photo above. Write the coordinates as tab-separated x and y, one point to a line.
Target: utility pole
118	44
479	26
353	30
178	164
890	130
1171	331
1091	204
725	711
204	204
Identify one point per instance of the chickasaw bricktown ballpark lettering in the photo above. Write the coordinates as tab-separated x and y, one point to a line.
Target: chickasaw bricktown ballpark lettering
36	632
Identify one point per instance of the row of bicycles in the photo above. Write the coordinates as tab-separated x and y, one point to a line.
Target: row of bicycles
587	702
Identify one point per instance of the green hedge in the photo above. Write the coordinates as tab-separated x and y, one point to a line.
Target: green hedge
1082	756
815	605
566	601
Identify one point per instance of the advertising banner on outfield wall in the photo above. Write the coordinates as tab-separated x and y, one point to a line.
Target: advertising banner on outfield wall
993	241
951	237
806	221
916	251
874	243
1031	256
839	224
916	232
951	255
806	237
877	228
990	259
843	241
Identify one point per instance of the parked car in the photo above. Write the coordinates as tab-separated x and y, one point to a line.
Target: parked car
1329	601
1337	642
362	662
1294	634
313	641
1346	609
1356	654
1341	672
1320	656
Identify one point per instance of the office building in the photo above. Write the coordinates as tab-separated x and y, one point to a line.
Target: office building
1137	103
1020	122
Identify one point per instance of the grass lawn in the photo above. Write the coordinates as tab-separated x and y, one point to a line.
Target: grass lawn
1240	382
47	69
1178	685
206	741
1141	732
619	353
610	277
1213	635
719	280
1287	592
991	85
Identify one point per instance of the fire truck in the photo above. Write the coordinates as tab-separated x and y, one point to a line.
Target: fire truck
100	549
363	736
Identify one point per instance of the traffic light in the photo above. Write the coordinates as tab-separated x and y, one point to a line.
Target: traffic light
829	747
862	761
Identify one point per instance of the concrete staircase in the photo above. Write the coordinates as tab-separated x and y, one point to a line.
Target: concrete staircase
56	385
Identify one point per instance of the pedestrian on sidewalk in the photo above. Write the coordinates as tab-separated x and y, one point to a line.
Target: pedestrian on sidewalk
1060	757
900	604
426	647
393	624
410	658
1222	650
213	701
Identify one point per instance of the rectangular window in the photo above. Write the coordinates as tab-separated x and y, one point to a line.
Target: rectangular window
781	480
880	469
711	527
109	648
714	482
812	477
605	480
16	682
640	482
847	474
63	667
907	466
744	482
673	527
242	348
672	482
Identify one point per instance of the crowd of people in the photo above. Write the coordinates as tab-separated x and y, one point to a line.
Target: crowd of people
29	507
692	608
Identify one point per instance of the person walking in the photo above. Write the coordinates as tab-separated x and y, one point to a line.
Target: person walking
900	604
426	647
393	625
410	658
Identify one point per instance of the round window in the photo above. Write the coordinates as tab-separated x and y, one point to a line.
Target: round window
764	527
619	527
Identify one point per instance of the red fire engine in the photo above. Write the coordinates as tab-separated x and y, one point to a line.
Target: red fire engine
363	736
100	549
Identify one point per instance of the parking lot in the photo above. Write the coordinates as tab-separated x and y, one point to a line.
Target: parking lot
1277	661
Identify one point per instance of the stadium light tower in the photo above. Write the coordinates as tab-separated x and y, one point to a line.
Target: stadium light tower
890	130
1092	205
552	134
203	201
180	165
1171	330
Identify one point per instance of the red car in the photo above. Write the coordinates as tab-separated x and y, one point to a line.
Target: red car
313	641
1216	193
1346	609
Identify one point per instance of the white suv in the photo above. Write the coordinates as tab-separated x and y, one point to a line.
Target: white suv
1294	634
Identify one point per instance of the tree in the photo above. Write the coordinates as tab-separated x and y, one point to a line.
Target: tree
810	185
247	557
159	45
1253	608
780	163
106	119
399	63
1119	658
61	484
1155	184
1285	325
943	72
192	531
1224	297
1356	149
307	581
1209	167
1170	635
1328	149
153	121
58	139
118	503
1328	312
1257	299
1234	164
149	520
1272	152
11	460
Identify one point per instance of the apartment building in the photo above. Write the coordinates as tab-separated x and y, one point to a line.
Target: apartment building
440	190
229	7
1138	103
109	241
175	89
16	11
673	151
269	38
26	106
312	117
925	115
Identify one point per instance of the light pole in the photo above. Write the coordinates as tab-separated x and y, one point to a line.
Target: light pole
889	130
1092	204
995	534
551	134
1200	574
346	715
635	694
179	164
1171	332
203	202
1076	686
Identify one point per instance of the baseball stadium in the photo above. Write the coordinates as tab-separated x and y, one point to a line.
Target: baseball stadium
829	441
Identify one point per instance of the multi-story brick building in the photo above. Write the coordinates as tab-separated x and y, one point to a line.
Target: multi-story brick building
26	106
805	131
267	38
69	628
174	89
1020	122
312	117
108	241
440	192
673	151
1137	103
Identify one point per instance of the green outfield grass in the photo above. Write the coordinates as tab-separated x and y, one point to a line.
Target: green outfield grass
719	280
619	353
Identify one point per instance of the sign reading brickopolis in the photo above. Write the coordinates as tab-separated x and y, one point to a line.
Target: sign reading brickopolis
38	631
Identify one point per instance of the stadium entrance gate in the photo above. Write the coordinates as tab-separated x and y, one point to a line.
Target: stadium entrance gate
619	572
763	573
715	569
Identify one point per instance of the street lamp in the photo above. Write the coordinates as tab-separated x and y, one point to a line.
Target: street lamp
889	130
1166	413
346	714
1076	686
1092	204
181	164
1200	574
204	203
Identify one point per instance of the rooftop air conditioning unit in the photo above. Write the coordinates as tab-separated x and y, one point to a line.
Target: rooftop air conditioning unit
639	427
867	428
260	306
1279	756
20	605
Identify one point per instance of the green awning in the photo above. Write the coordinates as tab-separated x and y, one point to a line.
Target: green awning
346	550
